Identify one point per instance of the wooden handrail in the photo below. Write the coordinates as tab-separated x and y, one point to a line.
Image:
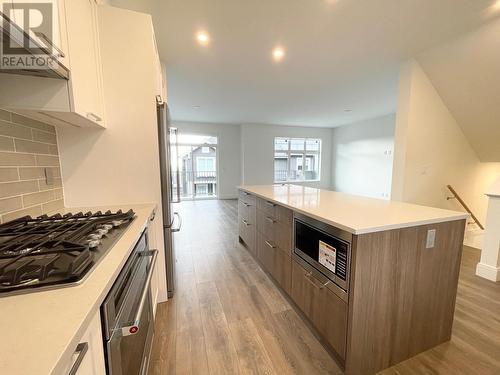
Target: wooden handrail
464	205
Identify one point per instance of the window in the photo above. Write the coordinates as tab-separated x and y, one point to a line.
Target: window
205	166
297	159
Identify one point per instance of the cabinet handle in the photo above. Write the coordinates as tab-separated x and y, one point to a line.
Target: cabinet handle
247	205
245	222
271	219
93	116
270	245
173	230
245	193
308	278
49	43
270	204
81	349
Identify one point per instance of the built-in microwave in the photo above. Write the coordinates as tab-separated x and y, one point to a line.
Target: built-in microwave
324	247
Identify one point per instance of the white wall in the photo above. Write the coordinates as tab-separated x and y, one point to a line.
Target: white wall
257	147
431	150
362	157
229	151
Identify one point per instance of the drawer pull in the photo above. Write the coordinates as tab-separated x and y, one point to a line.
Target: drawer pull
245	222
308	278
245	193
270	245
81	349
270	204
247	205
270	219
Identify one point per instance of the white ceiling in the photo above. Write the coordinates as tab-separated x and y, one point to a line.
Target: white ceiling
340	54
466	74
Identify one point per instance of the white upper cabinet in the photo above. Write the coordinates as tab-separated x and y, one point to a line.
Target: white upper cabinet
85	62
51	34
78	101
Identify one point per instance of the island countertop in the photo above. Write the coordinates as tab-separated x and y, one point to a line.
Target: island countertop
40	330
355	214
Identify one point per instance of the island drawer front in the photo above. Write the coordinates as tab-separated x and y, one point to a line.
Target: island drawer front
326	311
247	197
275	261
275	211
247	234
275	232
247	212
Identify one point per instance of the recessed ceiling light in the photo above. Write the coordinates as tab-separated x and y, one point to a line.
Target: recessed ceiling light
203	38
196	107
278	53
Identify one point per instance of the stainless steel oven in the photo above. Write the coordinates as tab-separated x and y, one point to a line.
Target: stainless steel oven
127	314
324	247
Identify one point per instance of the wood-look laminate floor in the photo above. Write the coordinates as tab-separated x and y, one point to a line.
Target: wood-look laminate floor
227	317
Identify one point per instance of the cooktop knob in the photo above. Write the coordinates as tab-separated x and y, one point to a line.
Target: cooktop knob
102	231
93	243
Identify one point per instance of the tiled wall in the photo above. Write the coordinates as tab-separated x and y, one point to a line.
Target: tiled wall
28	151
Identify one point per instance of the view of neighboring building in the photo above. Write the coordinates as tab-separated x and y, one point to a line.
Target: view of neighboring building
194	166
297	159
199	171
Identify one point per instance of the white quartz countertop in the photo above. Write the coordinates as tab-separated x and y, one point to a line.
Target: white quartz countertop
355	214
40	330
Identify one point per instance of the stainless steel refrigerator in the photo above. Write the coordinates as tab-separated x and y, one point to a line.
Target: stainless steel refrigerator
171	220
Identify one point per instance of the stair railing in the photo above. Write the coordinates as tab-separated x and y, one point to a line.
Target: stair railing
464	205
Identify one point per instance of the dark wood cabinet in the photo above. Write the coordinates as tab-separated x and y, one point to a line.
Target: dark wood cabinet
333	321
275	261
326	311
275	211
247	220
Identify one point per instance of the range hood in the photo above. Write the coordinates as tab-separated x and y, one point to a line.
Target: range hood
18	38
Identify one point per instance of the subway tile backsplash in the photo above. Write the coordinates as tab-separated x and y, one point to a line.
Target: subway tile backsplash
30	172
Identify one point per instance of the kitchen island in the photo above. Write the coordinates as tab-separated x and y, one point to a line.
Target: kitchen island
376	279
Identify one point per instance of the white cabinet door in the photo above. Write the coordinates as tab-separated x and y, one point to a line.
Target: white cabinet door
31	15
89	361
85	79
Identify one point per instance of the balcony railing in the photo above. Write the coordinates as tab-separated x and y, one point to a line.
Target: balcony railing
284	175
197	184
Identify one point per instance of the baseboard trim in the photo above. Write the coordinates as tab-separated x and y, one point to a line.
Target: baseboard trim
488	272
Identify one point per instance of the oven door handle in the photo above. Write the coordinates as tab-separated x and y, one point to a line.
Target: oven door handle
134	327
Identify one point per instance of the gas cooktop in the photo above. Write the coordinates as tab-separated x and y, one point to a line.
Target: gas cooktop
55	251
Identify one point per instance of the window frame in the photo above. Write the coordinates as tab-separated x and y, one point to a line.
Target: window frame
304	153
212	160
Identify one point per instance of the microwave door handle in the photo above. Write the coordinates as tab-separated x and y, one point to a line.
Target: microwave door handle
134	327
